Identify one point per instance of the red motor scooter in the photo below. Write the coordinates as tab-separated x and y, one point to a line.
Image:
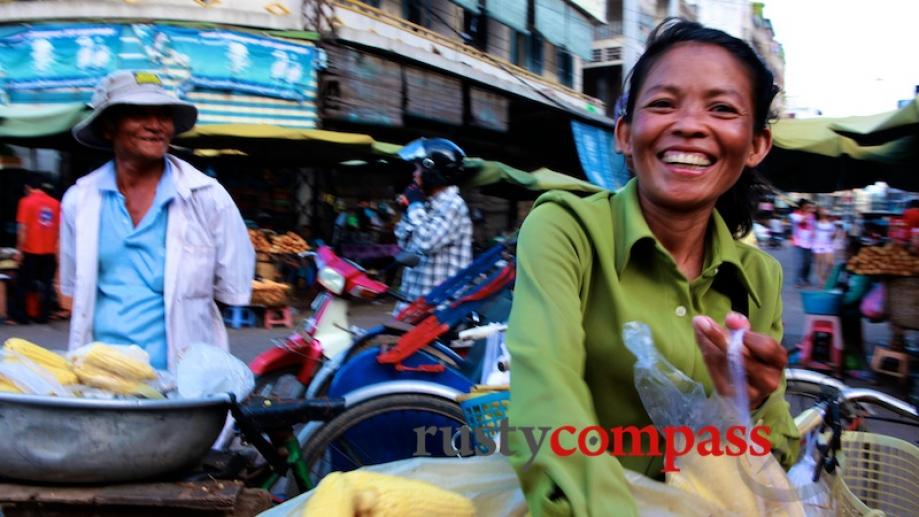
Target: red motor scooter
285	370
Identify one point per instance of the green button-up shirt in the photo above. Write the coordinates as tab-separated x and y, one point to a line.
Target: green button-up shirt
586	267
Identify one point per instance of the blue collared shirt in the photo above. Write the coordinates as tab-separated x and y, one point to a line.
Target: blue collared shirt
130	307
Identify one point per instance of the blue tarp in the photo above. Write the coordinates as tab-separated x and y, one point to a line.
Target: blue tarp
601	164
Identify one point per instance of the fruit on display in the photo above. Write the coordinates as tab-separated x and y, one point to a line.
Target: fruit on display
269	293
890	259
260	241
290	242
266	241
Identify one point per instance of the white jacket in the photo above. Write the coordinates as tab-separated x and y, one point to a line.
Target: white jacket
208	256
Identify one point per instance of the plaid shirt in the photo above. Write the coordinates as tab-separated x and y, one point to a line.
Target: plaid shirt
440	230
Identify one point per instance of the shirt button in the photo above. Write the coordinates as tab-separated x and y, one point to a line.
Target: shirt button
680	311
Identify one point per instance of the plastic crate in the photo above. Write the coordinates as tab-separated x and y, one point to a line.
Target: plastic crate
486	411
827	303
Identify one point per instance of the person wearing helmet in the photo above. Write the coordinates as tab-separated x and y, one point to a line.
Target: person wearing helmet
436	223
148	241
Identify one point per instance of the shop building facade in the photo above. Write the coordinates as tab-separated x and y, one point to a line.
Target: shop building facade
500	77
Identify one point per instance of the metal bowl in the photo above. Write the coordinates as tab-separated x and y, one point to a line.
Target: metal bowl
66	440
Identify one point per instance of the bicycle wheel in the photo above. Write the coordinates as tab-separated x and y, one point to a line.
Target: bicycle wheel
381	430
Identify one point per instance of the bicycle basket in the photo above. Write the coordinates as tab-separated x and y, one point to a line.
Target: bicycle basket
485	411
878	475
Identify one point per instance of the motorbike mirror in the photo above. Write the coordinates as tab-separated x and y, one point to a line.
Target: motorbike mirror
408	258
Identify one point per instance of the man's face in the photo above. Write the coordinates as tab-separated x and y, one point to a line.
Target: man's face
418	174
142	132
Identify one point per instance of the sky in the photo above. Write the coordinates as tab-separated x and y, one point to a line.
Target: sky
847	57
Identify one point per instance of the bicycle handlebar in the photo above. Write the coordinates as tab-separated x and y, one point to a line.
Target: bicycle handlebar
813	417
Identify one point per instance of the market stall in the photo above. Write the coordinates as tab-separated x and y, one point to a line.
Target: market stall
98	431
896	267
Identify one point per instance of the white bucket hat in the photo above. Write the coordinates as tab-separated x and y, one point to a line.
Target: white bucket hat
131	88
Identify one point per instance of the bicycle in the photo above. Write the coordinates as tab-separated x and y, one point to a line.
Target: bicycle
877	472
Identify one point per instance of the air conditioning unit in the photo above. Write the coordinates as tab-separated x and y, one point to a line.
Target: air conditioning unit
606	55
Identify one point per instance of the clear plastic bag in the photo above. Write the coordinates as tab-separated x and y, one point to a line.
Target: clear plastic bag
493	487
207	370
815	496
742	484
29	377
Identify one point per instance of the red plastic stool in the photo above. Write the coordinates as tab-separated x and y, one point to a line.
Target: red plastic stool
822	327
275	316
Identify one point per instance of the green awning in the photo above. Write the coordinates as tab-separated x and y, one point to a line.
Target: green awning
829	154
490	173
39	120
883	127
820	136
241	132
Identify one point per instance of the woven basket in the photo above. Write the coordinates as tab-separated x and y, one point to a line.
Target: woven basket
903	301
879	474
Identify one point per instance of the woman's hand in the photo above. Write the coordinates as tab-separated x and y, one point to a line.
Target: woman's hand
764	358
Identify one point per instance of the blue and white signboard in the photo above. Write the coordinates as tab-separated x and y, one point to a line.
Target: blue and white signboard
601	164
58	56
240	62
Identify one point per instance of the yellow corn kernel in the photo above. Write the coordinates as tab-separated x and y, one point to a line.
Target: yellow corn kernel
112	360
380	495
36	353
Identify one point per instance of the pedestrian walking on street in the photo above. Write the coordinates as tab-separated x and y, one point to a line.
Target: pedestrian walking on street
824	245
802	238
38	219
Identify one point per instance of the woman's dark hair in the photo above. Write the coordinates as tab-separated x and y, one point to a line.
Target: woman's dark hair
739	203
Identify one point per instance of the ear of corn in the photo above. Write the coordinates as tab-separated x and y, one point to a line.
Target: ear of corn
55	364
122	365
99	378
36	353
380	495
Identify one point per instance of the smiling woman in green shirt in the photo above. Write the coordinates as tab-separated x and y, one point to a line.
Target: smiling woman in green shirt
661	251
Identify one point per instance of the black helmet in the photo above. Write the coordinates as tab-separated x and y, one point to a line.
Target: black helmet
441	160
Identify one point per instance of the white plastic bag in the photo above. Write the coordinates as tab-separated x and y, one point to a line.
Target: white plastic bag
206	370
814	496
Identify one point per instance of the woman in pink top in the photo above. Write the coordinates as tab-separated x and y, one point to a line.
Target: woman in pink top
824	247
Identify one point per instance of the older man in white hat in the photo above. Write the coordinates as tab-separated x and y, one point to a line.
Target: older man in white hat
148	241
